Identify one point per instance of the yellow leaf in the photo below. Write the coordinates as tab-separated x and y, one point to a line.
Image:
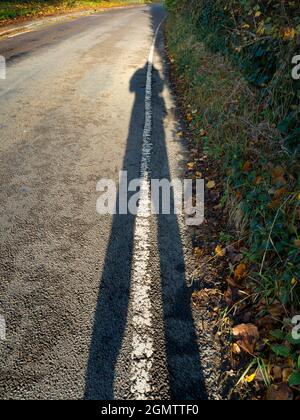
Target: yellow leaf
297	243
250	378
294	281
203	132
236	349
261	29
210	185
289	34
258	14
191	165
220	252
198	252
298	197
198	175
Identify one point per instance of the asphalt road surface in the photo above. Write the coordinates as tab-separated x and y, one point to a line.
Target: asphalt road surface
95	306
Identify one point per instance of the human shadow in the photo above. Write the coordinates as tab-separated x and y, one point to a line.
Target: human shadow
183	362
113	301
186	381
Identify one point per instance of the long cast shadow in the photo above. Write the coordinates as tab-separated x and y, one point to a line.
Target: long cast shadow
182	351
183	361
112	306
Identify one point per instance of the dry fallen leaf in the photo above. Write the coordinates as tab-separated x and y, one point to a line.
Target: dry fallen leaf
198	175
289	34
198	252
274	204
278	171
250	378
258	180
220	252
279	393
236	349
279	193
276	310
240	272
297	243
203	132
280	180
210	185
247	166
277	373
247	336
191	165
286	374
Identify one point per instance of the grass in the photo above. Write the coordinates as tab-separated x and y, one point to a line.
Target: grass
259	177
20	9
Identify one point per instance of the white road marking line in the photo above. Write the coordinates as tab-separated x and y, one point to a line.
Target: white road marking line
143	347
2	328
18	34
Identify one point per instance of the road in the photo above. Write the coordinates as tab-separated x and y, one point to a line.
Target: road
89	312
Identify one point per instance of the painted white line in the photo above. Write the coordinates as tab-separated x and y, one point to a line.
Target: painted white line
143	348
18	34
2	328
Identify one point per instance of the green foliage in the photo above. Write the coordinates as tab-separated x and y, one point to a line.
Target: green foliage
253	127
14	9
261	38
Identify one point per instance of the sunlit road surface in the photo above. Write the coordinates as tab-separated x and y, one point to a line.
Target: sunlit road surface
87	313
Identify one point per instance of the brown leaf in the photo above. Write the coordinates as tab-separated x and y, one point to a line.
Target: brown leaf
247	166
278	171
232	282
286	373
247	336
274	204
229	298
238	195
276	310
279	193
258	180
277	373
279	393
198	252
297	243
240	272
280	180
236	349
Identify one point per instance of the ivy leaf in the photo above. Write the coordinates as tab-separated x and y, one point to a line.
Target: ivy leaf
294	379
278	334
280	350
